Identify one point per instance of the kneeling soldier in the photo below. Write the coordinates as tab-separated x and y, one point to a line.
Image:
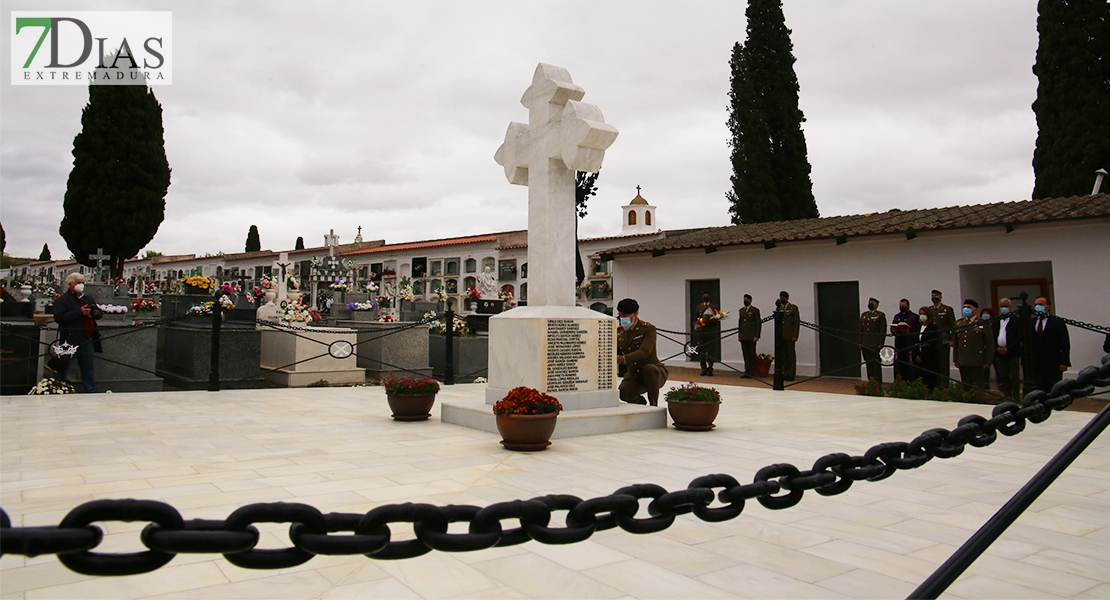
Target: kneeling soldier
636	351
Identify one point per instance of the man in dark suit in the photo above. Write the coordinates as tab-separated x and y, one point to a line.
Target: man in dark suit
790	329
76	314
1049	348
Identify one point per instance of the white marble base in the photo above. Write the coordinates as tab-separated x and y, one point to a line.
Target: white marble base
576	423
308	349
524	351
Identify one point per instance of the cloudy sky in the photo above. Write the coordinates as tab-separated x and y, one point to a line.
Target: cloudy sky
302	117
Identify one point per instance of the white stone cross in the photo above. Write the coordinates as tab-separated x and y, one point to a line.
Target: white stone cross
562	136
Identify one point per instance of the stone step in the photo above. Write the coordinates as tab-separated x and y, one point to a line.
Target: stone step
476	414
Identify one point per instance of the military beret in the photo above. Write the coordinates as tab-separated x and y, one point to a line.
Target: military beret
628	306
971	302
784	294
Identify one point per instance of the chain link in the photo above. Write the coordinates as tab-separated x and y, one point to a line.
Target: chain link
776	487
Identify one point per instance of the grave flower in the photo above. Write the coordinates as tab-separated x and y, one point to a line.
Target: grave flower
340	285
204	283
410	386
474	293
369	305
51	386
144	305
114	309
526	401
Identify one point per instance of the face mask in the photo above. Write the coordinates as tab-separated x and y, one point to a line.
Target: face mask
923	318
1039	308
1004	310
986	316
936	299
967	311
904	309
747	303
79	288
705	298
626	322
872	306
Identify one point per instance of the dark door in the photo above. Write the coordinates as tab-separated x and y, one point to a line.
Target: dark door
696	288
838	307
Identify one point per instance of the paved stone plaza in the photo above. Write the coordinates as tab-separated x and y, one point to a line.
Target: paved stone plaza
338	450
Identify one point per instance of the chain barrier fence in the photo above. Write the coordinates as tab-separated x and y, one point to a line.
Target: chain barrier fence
776	487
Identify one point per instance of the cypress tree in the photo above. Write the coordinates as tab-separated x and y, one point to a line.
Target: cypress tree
116	193
1073	96
300	243
771	171
45	254
253	243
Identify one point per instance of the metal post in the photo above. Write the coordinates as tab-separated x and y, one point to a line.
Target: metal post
449	351
939	581
214	366
779	351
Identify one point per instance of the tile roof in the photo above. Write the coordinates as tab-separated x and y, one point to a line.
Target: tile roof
894	221
597	239
491	237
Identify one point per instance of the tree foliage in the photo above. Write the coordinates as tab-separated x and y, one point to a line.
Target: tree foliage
45	254
771	170
1073	96
116	194
300	243
253	243
585	187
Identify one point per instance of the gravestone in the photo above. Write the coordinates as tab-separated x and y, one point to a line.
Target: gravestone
184	353
19	348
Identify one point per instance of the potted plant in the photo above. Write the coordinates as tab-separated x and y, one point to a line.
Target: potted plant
411	398
526	419
763	364
693	407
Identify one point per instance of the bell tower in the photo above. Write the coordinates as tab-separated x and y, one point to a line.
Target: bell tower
639	216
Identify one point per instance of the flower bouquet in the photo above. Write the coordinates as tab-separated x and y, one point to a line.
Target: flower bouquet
507	296
459	327
113	309
299	313
383	301
356	306
386	319
370	287
710	316
341	285
144	305
268	282
473	293
197	281
51	386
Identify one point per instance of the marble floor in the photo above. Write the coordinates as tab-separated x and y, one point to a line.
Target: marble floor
338	450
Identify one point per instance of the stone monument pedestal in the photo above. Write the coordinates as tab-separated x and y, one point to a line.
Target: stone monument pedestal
299	357
565	351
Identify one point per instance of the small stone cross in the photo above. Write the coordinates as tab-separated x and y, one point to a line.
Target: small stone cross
562	136
99	257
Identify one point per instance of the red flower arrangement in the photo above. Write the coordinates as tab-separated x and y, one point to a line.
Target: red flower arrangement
473	293
410	386
526	401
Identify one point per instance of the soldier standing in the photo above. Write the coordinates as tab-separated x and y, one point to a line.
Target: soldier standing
974	349
750	327
944	319
636	351
790	328
872	334
707	334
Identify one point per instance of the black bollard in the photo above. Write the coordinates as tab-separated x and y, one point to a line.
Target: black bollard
449	347
214	366
778	346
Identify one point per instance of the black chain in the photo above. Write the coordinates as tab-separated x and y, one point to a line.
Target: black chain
776	487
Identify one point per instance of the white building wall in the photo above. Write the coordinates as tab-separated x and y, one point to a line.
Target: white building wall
886	267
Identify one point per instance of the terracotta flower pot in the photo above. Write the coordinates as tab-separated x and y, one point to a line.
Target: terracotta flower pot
416	407
762	367
693	416
526	432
